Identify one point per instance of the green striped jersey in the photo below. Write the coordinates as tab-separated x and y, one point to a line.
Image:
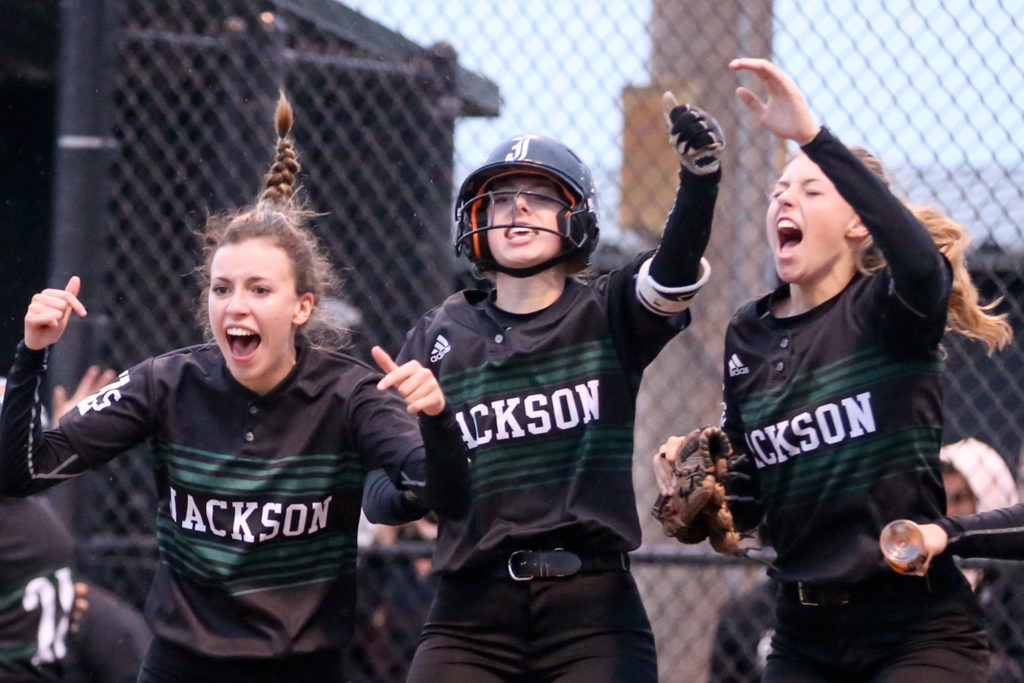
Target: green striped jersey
839	413
545	403
259	495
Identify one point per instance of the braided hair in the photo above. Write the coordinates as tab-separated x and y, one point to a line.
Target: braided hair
280	218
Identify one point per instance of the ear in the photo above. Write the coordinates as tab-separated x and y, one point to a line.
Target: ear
855	229
303	309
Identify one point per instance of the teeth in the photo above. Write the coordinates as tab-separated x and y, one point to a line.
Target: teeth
787	223
240	332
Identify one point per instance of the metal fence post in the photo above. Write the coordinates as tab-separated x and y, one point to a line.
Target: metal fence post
83	146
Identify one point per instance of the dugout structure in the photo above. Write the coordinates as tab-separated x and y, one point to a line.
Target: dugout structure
161	112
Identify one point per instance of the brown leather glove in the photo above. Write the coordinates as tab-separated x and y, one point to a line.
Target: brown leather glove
699	509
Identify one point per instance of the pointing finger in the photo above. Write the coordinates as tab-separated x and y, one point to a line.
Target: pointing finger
668	103
73	287
384	361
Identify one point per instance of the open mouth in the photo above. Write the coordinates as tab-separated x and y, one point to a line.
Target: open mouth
242	342
519	231
520	234
789	234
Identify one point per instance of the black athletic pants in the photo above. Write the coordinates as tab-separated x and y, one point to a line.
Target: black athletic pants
169	663
586	628
898	629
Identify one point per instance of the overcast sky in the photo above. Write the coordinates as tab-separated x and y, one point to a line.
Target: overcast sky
894	75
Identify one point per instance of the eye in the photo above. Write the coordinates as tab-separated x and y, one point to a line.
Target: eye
219	290
501	199
545	202
261	290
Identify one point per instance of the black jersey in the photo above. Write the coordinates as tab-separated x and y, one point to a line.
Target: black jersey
259	495
545	403
839	409
37	590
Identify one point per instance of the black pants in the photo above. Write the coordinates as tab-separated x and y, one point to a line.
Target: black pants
588	627
169	663
900	629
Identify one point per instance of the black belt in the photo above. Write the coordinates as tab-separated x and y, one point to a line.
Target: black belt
526	565
883	589
812	595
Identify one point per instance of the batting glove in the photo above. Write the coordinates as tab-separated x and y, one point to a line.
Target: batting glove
694	135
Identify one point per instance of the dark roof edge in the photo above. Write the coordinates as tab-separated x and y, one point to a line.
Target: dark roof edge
479	95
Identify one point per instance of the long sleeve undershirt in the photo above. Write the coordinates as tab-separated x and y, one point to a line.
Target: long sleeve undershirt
996	534
920	278
687	230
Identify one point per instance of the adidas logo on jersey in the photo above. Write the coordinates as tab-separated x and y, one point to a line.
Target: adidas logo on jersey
441	348
736	366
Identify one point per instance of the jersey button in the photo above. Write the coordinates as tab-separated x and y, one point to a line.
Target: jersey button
498	338
249	436
784	343
253	410
779	366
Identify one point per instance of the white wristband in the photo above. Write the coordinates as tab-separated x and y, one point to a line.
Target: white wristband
662	300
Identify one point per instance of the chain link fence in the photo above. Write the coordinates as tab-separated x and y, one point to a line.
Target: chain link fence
396	101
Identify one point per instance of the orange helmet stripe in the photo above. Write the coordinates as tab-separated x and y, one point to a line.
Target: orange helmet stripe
474	223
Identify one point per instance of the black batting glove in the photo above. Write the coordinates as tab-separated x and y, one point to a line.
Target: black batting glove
695	136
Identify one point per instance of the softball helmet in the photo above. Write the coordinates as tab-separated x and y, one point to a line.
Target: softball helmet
528	154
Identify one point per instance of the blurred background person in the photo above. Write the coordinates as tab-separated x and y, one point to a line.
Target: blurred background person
743	636
396	589
977	479
55	625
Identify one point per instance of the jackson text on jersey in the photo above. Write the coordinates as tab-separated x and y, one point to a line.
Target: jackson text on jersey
825	425
238	518
515	417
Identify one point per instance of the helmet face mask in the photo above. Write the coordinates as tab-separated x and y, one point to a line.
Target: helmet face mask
528	155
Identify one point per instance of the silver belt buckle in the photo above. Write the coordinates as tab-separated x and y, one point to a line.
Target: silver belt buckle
511	569
831	598
804	600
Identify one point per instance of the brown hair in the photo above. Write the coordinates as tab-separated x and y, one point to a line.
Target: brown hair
966	315
280	218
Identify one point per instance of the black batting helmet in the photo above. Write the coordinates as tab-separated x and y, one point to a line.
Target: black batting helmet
528	154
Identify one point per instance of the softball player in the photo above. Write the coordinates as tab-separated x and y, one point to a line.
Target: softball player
260	443
37	587
542	372
832	390
37	590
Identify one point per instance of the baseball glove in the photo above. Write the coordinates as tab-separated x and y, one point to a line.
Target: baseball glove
699	509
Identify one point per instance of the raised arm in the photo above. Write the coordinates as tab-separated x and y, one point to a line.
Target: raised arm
920	276
115	418
667	282
28	463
